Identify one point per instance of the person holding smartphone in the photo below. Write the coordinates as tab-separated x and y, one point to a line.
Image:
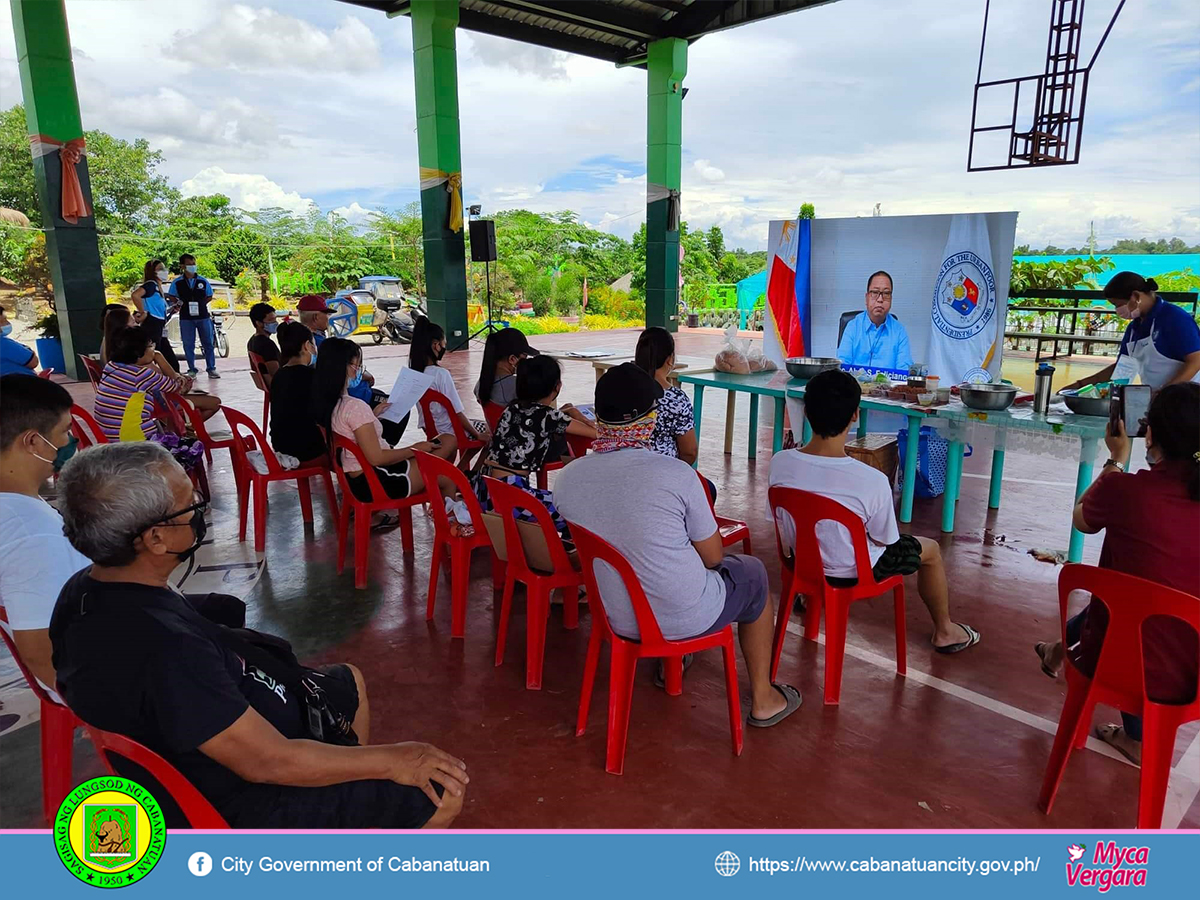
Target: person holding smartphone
1151	525
1161	342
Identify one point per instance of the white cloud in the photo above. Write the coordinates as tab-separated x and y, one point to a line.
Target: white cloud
247	190
175	121
261	39
354	214
528	59
708	171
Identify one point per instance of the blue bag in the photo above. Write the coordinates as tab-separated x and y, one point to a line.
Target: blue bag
932	455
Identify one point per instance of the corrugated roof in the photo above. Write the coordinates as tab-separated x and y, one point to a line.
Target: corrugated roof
613	30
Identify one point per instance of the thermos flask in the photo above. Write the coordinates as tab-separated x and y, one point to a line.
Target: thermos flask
1042	382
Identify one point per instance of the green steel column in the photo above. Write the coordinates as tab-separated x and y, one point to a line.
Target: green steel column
435	74
666	65
52	110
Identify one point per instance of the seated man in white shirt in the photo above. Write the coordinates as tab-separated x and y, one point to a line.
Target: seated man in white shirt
875	337
35	441
822	467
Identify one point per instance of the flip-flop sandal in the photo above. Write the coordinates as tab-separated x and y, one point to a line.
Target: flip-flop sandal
1040	649
972	639
386	523
660	674
793	698
1106	733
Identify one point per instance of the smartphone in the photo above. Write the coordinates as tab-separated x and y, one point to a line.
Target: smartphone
1129	403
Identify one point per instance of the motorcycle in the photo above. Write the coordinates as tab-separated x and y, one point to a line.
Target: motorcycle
394	319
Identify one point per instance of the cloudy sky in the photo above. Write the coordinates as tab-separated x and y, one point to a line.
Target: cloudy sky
287	102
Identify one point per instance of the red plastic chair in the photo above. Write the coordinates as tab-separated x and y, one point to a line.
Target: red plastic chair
1119	680
428	401
188	414
732	531
492	413
257	363
45	373
625	652
194	805
93	368
170	418
507	500
58	737
805	574
460	547
239	422
363	509
85	428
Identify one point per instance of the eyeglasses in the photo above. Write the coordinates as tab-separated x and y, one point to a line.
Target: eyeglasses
199	504
876	295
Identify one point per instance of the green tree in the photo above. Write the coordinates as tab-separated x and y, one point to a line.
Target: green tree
716	242
731	269
240	248
17	189
124	267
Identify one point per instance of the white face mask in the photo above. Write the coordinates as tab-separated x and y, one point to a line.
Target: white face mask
161	274
191	270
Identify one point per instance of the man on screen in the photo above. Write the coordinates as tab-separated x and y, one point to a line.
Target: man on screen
876	338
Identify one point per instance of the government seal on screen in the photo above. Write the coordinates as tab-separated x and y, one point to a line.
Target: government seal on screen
110	832
964	297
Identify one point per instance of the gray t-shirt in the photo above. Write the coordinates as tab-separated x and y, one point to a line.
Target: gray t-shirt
504	390
650	507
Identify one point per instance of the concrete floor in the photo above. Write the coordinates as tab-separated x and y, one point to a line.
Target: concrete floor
960	743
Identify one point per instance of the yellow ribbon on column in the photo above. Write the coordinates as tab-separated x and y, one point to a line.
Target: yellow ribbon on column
453	181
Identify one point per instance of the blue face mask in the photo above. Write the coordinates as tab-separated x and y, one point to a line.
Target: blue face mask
357	379
271	327
6	329
312	361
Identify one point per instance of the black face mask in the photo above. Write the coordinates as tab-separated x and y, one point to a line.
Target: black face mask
438	356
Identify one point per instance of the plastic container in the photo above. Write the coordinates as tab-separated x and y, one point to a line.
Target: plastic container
943	395
926	399
931	382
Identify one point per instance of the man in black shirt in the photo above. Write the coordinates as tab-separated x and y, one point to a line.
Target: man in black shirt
262	317
137	658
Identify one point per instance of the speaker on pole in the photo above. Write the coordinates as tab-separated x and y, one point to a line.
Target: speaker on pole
483	240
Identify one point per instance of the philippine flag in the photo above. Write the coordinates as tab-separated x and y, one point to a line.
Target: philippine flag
789	290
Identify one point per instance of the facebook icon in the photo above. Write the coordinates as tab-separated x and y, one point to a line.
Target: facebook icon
200	864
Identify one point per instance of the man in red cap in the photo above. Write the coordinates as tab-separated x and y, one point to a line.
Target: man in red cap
314	315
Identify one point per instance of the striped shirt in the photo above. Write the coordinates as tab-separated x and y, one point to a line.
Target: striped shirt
118	383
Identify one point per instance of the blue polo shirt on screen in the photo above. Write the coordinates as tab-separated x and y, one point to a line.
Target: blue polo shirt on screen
14	357
883	346
1160	341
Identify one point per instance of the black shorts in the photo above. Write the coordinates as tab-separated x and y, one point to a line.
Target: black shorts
394	479
900	558
352	804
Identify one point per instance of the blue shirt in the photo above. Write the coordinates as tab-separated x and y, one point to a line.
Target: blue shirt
1171	329
883	346
13	357
153	300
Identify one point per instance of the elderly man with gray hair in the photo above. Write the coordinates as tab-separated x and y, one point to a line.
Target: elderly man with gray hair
270	743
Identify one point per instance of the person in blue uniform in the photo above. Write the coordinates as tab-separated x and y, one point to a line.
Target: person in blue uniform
193	293
1161	342
874	337
151	305
15	357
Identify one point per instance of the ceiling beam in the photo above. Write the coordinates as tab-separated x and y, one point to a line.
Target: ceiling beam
695	21
617	21
542	37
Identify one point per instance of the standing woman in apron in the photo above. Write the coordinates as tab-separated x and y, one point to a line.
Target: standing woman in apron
151	303
1161	342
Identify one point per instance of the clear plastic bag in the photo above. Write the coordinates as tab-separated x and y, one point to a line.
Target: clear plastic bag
741	356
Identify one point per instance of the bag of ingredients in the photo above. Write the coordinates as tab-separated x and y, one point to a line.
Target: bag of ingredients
732	355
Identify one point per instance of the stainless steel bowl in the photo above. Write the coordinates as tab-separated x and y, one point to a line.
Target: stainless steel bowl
1086	406
810	366
990	397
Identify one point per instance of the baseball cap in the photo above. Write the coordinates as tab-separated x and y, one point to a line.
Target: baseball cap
313	303
624	394
511	342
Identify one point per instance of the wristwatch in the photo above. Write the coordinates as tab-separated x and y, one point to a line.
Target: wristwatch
1113	462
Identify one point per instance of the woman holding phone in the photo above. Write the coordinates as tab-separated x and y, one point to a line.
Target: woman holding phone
1161	341
1131	509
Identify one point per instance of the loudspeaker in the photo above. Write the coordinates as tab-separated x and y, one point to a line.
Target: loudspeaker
483	240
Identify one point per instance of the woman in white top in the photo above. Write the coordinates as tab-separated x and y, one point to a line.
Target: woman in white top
427	349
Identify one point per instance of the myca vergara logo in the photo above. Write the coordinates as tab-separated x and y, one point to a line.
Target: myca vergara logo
1110	866
109	832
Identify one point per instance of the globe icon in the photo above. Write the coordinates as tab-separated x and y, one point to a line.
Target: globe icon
727	863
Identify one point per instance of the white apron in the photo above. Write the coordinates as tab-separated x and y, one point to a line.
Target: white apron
1145	359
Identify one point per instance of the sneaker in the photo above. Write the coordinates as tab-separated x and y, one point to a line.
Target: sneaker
192	373
213	373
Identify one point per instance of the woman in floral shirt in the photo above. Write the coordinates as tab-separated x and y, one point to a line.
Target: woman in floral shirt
675	430
530	433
